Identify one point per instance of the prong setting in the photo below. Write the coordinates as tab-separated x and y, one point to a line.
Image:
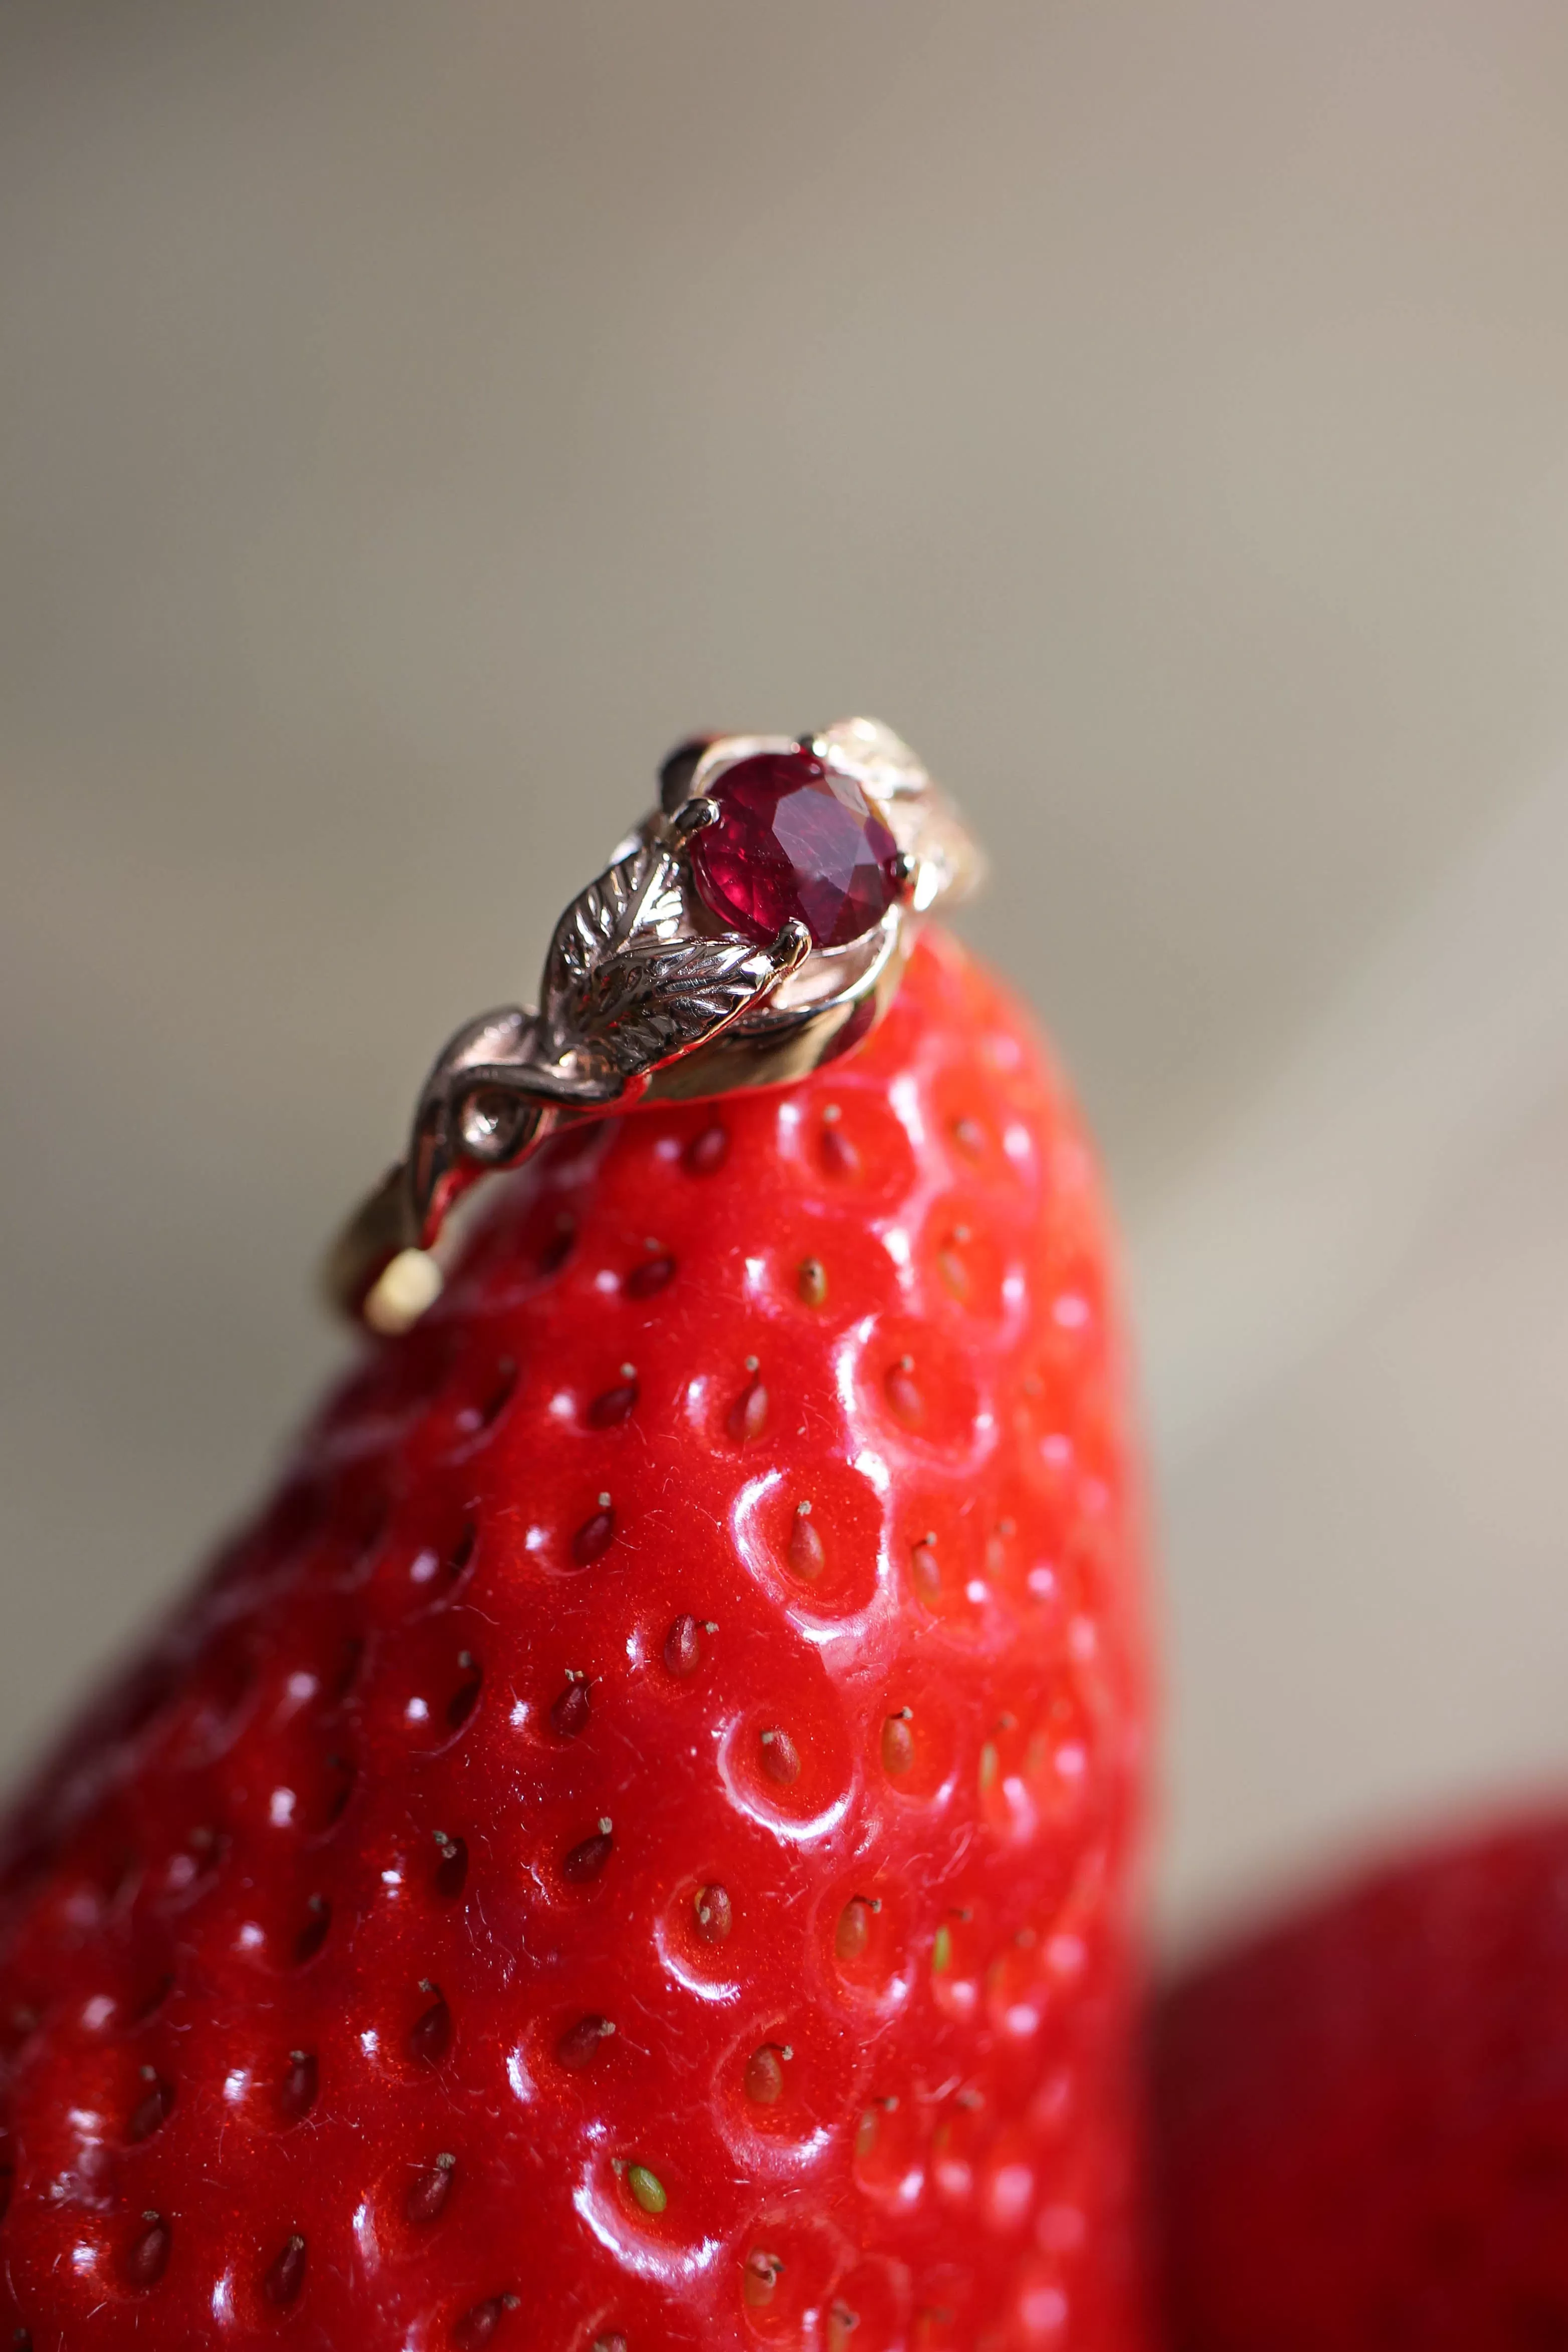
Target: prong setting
694	816
792	947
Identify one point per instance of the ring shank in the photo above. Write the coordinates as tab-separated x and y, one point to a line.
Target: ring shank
769	1020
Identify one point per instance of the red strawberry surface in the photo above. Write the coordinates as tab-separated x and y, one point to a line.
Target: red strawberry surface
1363	2115
630	1849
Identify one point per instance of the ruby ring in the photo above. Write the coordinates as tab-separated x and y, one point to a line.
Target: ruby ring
753	927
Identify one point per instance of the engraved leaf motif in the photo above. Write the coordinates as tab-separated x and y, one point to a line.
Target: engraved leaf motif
600	916
620	986
654	998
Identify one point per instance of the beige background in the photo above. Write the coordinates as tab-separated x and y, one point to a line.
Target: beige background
413	418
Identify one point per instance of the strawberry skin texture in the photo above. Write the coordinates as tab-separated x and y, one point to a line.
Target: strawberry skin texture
548	1888
1363	2115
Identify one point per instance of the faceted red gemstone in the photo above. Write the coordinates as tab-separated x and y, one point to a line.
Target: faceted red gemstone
792	839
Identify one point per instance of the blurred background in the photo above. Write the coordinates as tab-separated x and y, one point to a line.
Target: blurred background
1157	411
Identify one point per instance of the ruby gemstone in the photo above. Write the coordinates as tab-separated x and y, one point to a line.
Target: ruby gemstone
793	839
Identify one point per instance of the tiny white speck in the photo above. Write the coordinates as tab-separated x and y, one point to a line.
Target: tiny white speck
251	1936
424	1568
417	1711
280	1807
1015	1143
561	1405
369	2042
629	1371
84	2258
604	1502
97	2012
392	1878
535	1540
301	1685
975	1590
605	1280
234	2084
518	1711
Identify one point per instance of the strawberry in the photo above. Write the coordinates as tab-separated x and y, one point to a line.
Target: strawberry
1363	2115
630	1849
